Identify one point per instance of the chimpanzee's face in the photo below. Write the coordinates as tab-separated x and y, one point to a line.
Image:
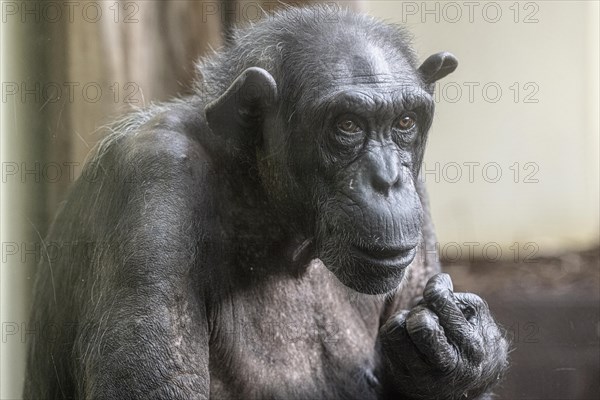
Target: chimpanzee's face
356	153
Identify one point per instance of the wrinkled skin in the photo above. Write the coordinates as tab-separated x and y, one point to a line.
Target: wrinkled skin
261	238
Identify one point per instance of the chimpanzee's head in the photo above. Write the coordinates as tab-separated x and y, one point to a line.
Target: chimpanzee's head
338	126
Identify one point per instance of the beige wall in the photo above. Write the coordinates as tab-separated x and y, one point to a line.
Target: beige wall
557	57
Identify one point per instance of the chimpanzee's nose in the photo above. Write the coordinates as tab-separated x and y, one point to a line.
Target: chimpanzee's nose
385	173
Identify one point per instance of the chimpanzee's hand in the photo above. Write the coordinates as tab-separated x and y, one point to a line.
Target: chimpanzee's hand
446	347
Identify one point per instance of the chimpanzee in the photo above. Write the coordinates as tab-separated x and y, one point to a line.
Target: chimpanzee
267	237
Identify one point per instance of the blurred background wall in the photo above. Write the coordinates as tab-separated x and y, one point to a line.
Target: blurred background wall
512	163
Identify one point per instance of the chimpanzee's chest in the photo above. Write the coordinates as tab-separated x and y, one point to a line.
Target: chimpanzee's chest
306	338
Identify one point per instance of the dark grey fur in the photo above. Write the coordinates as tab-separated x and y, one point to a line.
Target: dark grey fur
186	271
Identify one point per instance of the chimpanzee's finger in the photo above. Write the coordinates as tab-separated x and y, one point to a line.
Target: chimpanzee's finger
395	324
428	336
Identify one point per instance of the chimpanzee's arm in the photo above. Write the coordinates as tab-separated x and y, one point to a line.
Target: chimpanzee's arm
134	295
147	335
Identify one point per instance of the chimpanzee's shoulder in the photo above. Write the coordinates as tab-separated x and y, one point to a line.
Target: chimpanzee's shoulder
156	141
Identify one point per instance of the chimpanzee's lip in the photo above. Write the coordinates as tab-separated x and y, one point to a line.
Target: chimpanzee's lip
397	257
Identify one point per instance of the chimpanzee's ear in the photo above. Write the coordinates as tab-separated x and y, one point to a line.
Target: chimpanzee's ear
243	104
437	66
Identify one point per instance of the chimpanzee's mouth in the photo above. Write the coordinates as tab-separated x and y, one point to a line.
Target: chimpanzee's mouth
398	257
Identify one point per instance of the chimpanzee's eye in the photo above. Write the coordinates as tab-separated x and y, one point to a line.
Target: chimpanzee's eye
406	122
349	126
